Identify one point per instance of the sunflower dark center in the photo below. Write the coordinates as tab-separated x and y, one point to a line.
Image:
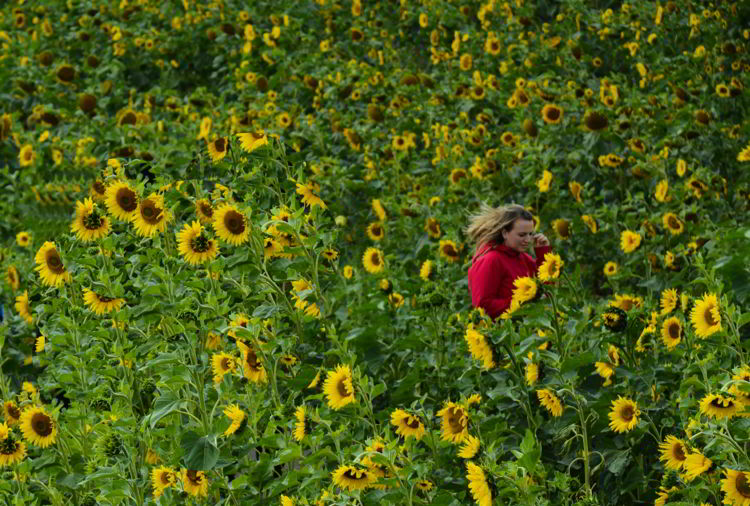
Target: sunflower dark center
673	222
220	144
355	474
234	222
553	113
206	209
99	187
627	413
563	229
150	212
92	221
709	316
66	73
104	299
129	118
376	230
28	155
412	423
742	486
674	331
434	228
449	250
454	421
194	477
54	262
375	259
721	403
626	305
8	446
200	244
42	424
342	389
126	199
226	363
166	478
13	411
678	452
252	360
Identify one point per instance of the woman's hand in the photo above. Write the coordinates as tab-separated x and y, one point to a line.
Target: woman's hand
540	240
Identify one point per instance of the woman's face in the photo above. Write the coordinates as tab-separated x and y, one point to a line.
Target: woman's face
520	236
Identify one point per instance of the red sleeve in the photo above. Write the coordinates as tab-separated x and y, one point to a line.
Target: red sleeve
540	252
485	278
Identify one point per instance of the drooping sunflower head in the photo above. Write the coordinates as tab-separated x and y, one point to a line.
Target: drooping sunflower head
251	141
195	483
615	319
719	406
238	418
231	225
595	121
353	478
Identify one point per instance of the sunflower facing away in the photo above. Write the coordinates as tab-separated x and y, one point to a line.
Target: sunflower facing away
121	201
478	486
299	426
373	260
161	479
695	464
470	447
237	416
705	316
550	401
479	348
100	304
194	246
673	453
668	300
23	308
353	478
407	425
50	266
339	388
310	196
89	224
151	216
231	225
455	422
624	415
38	427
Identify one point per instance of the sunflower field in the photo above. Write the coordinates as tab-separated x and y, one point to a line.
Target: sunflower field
234	252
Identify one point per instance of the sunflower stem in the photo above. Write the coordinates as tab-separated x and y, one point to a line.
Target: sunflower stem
585	437
555	321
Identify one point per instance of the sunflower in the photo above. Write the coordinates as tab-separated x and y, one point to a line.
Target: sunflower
89	224
161	479
610	268
11	275
671	332
550	401
668	300
239	321
424	485
705	316
457	175
672	223
100	304
373	260
532	373
605	370
673	453
544	182
237	416
695	464
195	483
590	222
744	154
455	422
449	251
23	239
470	447
407	425
251	141
524	289
194	246
595	121
221	364
252	367
624	415
562	228
50	266
231	225
551	267
339	387
629	241
11	451
23	308
299	426
432	227
26	156
151	216
353	478
465	62
121	201
11	413
718	406
736	487
38	427
478	486
426	270
310	196
479	348
552	114
375	231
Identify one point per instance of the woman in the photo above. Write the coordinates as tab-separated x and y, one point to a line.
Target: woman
502	235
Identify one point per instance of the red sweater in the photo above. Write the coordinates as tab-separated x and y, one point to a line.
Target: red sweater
493	270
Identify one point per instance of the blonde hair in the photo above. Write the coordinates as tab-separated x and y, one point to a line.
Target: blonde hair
488	224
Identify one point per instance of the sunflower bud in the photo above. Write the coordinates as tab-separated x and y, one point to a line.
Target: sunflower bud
530	128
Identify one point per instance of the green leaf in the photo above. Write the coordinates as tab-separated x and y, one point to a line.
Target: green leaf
163	406
201	453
